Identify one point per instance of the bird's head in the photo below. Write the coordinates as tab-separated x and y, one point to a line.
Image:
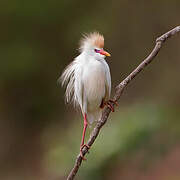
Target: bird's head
93	45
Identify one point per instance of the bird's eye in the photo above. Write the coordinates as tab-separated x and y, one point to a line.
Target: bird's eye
96	50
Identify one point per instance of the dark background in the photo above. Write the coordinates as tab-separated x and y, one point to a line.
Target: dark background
40	135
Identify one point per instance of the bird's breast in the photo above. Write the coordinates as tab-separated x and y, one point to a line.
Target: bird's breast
94	84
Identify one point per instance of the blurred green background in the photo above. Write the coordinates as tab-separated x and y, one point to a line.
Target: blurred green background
40	135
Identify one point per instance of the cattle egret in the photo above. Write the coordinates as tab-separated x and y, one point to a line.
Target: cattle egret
88	81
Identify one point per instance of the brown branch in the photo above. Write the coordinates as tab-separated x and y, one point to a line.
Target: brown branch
118	92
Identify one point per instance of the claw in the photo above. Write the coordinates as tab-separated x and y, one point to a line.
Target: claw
81	148
109	104
114	102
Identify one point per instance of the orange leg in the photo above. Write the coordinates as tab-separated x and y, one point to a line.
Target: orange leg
83	136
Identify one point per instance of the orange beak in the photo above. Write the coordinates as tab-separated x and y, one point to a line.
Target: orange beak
104	53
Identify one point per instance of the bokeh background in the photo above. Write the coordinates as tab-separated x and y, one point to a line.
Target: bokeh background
40	135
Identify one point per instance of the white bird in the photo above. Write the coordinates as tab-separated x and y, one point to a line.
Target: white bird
88	80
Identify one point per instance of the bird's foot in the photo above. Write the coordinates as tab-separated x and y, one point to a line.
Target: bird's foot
81	148
110	106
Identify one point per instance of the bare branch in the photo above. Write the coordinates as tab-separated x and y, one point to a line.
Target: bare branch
118	92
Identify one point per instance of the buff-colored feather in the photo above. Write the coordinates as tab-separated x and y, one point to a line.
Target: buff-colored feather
93	39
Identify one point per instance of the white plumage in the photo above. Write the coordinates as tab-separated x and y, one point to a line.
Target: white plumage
87	79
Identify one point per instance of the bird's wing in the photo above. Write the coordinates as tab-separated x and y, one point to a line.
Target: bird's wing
79	86
67	79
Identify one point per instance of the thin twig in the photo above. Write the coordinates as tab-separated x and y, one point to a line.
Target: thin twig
118	92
